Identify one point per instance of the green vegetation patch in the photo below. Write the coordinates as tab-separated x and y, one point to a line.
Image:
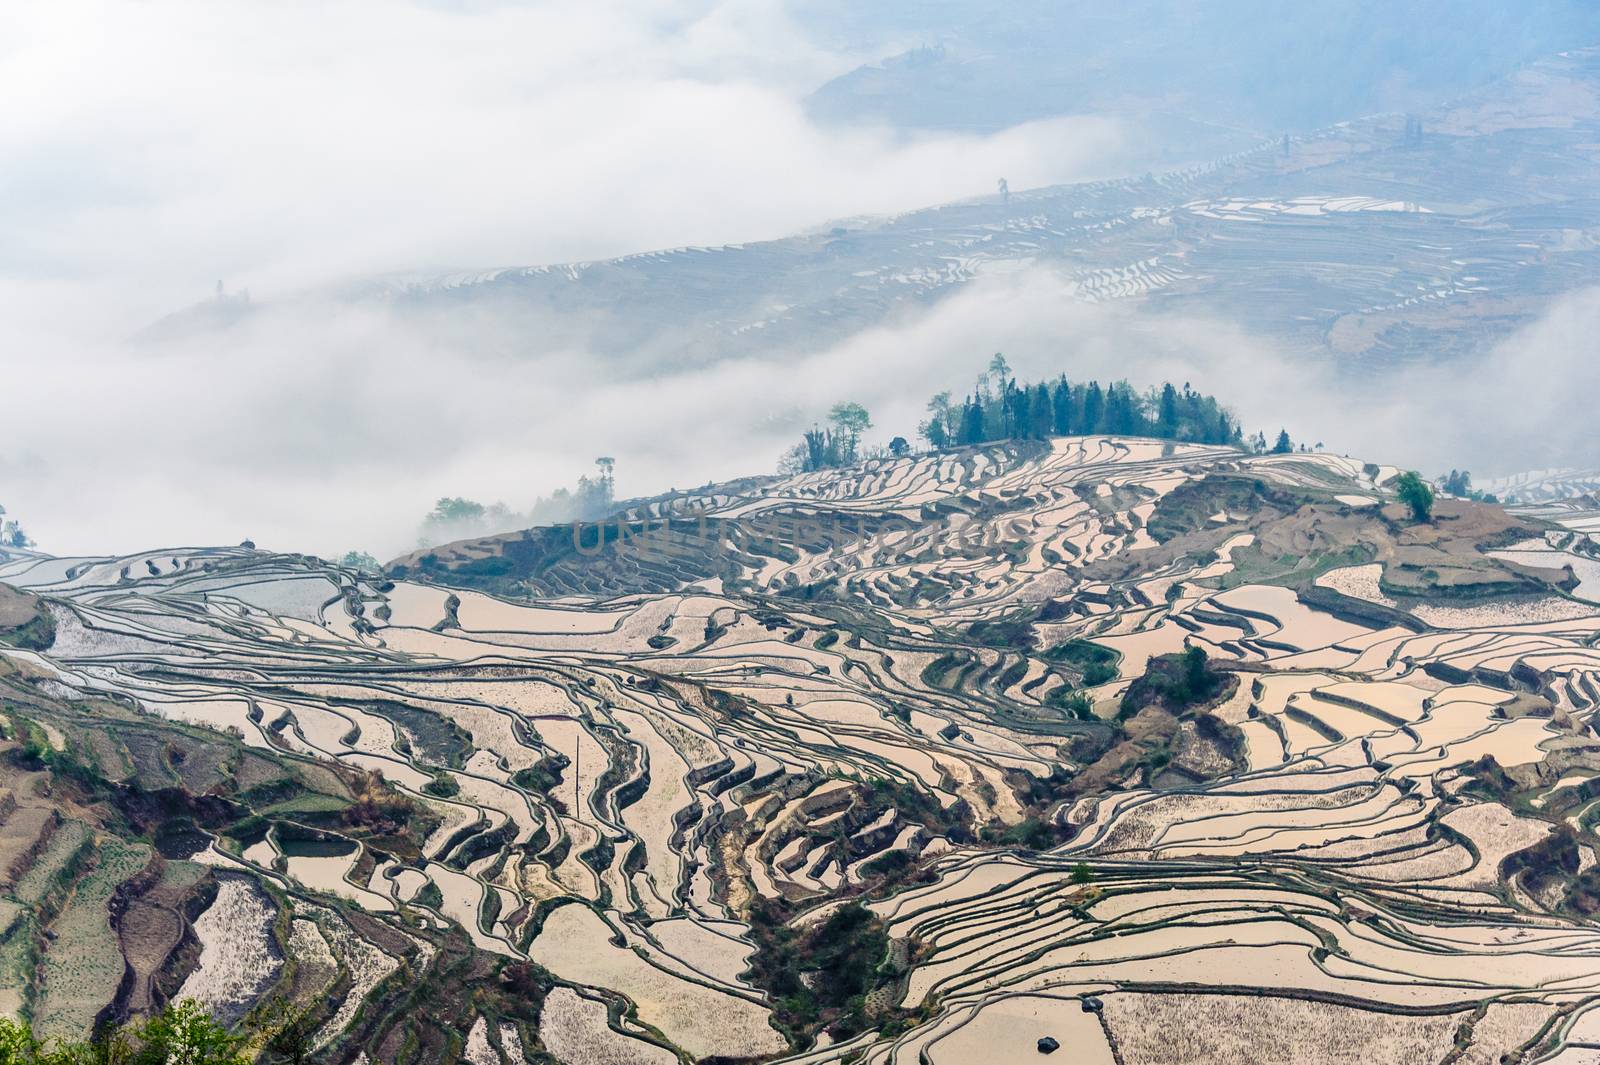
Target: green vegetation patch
83	966
1190	507
1175	681
24	621
434	738
822	977
1012	635
1092	663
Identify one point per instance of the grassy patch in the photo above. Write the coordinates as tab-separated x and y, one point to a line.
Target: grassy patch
1092	663
434	738
312	803
24	621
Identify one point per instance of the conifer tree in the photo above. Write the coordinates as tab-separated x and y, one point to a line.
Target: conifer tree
972	422
1167	419
1093	408
1061	402
1043	416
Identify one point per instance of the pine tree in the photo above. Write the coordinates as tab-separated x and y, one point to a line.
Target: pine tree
1043	417
1122	414
1167	421
1113	418
1014	411
1061	403
972	422
999	369
816	456
1093	408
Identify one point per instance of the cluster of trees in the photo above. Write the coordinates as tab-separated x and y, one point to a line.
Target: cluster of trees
591	498
181	1034
11	534
1197	681
1458	483
839	443
1177	680
836	444
361	560
459	518
1000	408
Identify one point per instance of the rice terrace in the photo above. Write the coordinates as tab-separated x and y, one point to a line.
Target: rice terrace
960	534
1077	750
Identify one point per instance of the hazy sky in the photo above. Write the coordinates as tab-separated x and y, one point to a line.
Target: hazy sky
153	148
159	146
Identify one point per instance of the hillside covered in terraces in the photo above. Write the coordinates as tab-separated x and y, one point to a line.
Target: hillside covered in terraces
1093	739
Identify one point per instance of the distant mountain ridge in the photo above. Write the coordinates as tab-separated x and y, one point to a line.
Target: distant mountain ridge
1377	241
1250	64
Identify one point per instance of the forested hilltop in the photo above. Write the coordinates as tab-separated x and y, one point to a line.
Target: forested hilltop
1001	408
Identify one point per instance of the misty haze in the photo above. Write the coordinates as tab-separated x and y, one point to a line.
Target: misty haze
731	531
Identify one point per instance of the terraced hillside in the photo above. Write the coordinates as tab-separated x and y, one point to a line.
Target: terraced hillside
1359	241
1128	745
1355	242
1577	486
107	904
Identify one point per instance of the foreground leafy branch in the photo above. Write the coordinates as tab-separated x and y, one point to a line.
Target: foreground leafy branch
181	1034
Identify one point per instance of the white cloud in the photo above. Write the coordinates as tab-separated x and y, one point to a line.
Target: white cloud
152	148
164	144
325	428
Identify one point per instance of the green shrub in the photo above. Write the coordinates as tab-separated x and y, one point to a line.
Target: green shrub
181	1034
1415	493
442	786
